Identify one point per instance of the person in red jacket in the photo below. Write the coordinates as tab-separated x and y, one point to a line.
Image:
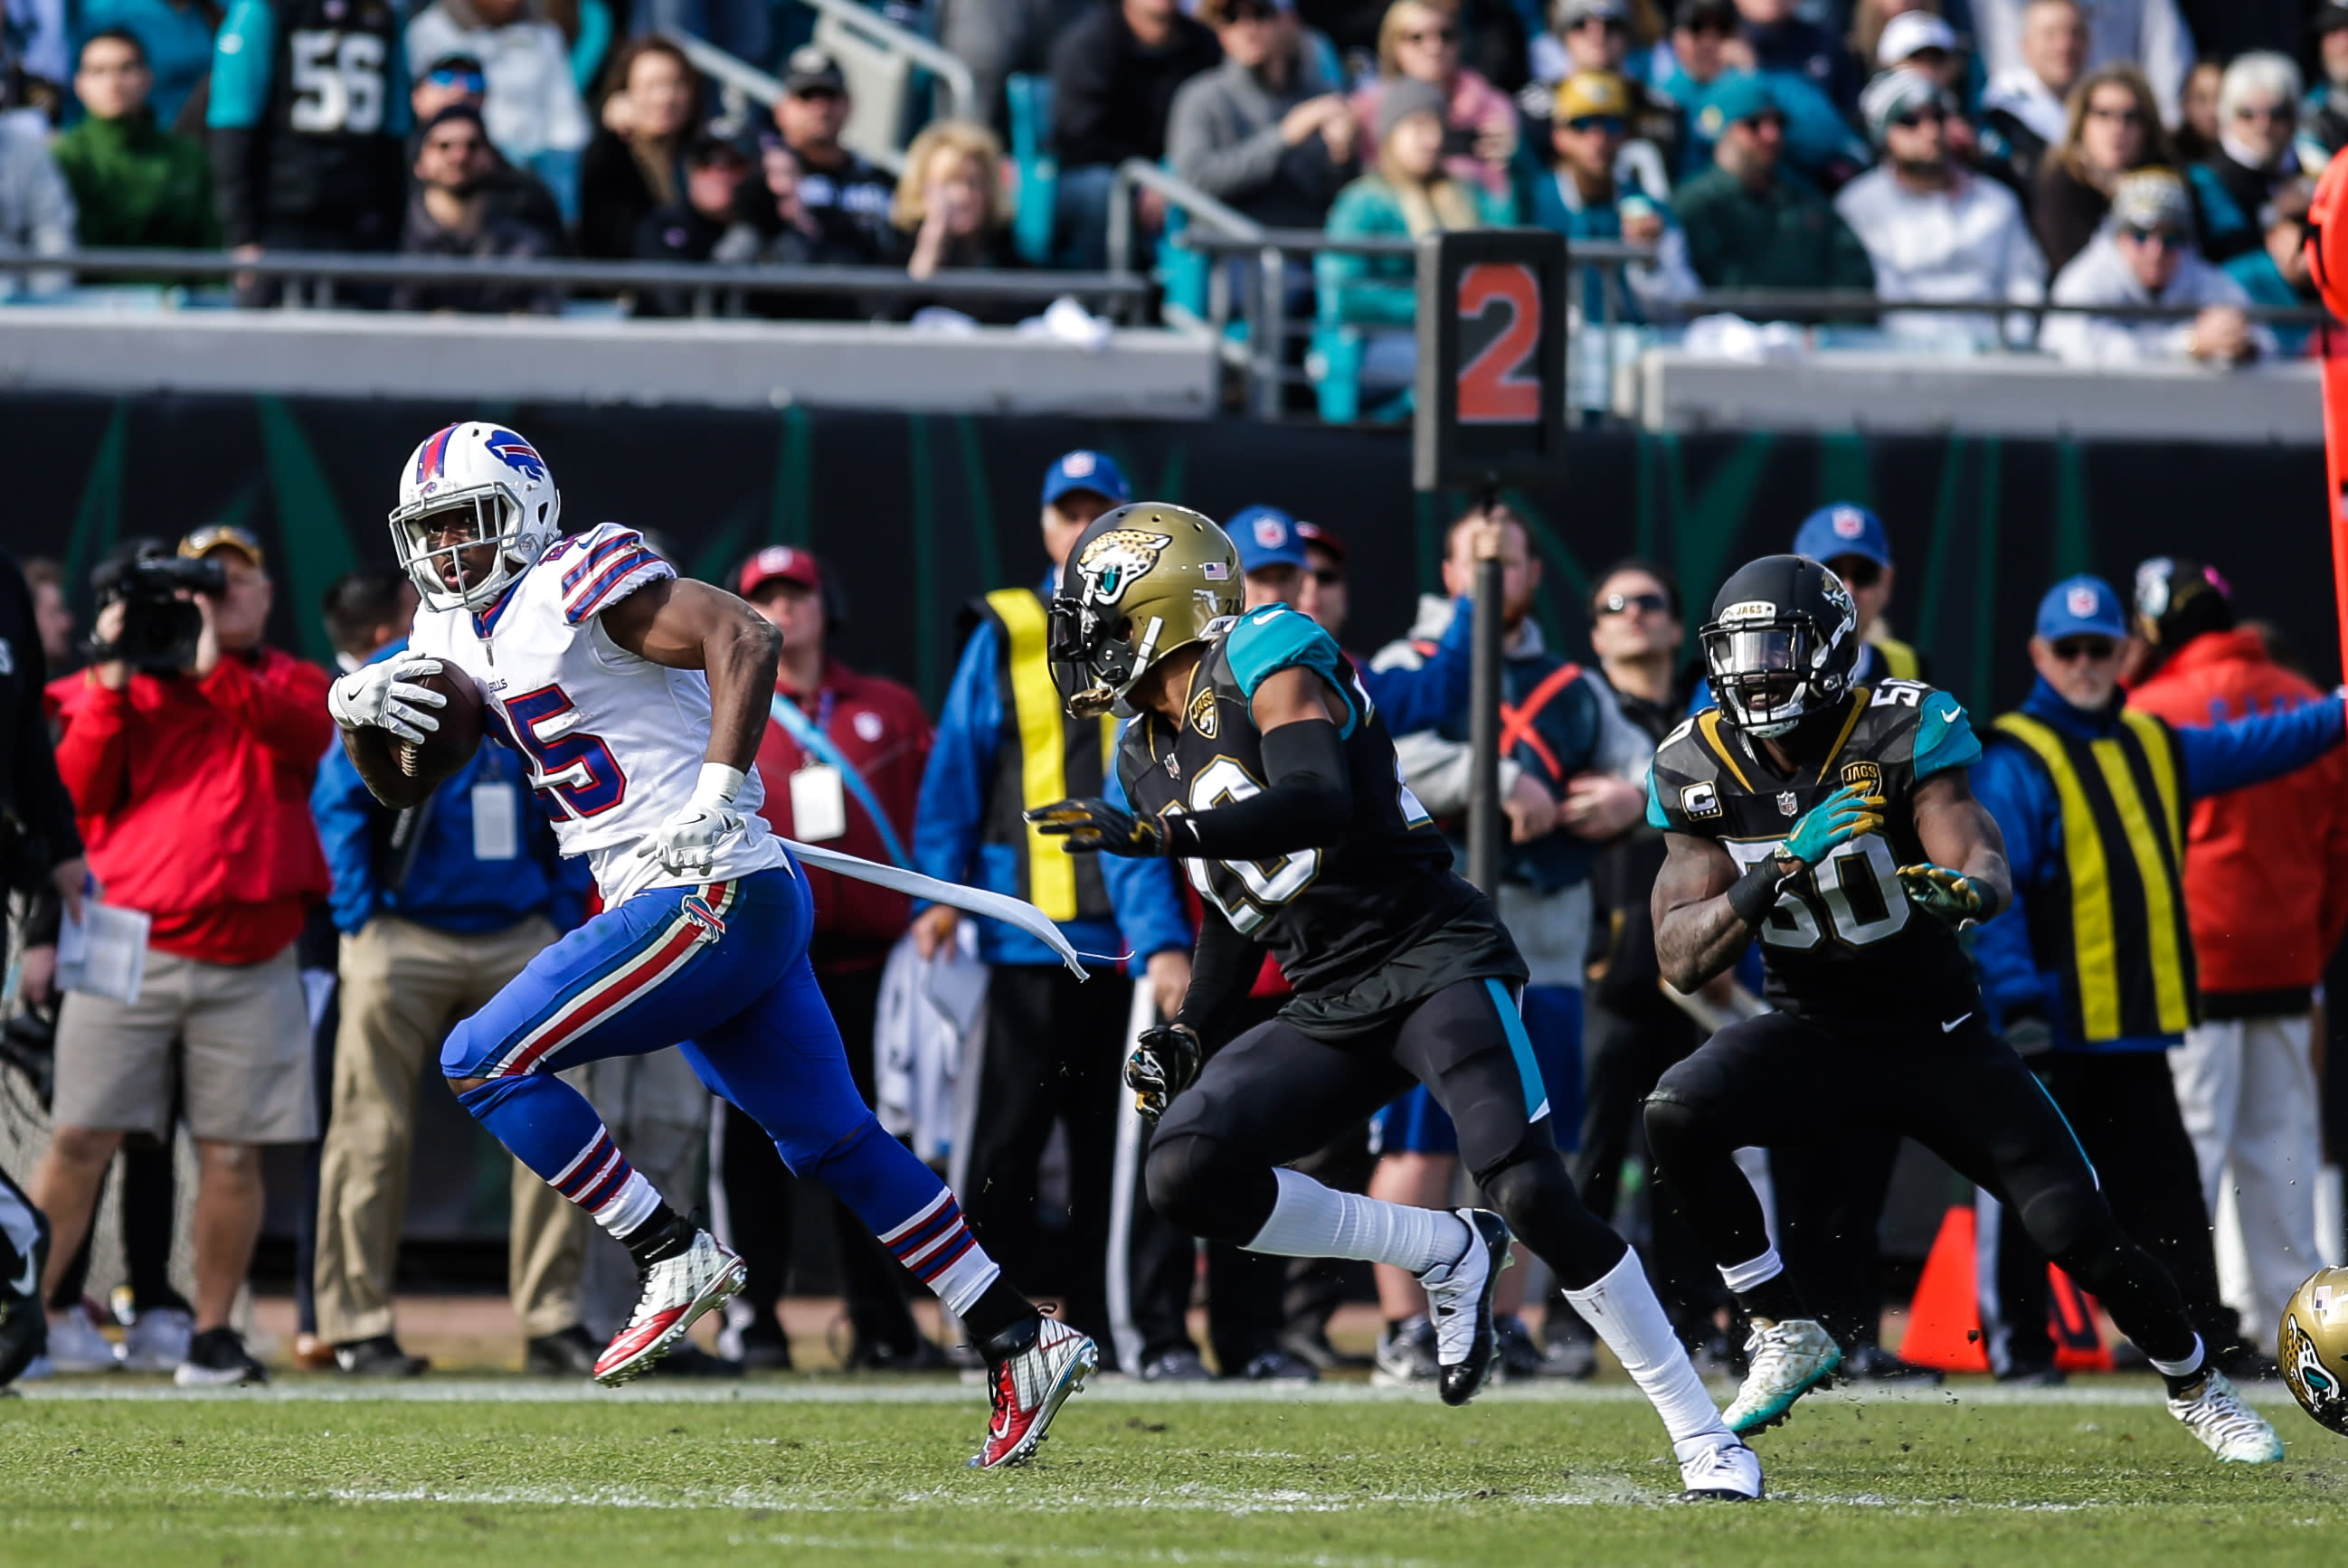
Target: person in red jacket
838	746
2266	884
192	791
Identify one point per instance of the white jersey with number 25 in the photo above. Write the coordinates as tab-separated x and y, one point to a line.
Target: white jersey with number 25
614	743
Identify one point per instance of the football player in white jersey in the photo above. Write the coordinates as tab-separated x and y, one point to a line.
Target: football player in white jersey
637	699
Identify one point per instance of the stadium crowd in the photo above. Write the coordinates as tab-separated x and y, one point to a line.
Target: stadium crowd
1949	151
306	950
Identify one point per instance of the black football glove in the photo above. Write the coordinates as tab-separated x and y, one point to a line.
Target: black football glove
1164	1061
1093	826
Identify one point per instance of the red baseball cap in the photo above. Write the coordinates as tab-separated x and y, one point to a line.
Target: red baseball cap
1314	534
780	563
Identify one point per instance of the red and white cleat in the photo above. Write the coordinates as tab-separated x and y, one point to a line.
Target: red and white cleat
675	1292
1029	1388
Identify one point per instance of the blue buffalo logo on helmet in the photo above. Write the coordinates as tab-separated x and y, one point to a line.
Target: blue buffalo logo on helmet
516	454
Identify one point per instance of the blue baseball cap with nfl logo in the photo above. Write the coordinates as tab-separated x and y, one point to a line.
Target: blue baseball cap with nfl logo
2081	606
1083	470
1843	529
1266	537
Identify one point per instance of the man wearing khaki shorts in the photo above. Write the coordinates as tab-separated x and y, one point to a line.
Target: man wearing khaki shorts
190	775
439	907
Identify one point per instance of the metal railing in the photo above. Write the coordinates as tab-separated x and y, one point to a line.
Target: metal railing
715	289
962	87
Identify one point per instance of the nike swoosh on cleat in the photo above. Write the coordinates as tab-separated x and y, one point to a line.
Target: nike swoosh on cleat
1953	1023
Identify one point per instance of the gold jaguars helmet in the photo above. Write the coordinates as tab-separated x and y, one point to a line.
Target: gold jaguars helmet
1142	582
2313	1348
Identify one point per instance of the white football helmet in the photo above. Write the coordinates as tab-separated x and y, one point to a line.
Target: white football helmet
496	477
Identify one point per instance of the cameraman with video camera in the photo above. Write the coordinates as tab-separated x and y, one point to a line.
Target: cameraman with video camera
190	749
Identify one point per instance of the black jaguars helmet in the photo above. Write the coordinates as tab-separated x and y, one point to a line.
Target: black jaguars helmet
1782	643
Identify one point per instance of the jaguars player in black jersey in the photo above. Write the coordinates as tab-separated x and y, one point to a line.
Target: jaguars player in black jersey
1255	757
1832	821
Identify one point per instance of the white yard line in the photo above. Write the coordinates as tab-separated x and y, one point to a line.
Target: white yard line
1107	1390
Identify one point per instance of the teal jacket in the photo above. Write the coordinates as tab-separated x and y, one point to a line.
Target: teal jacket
1382	291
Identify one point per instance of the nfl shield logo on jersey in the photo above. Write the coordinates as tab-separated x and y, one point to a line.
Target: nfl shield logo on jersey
1785	803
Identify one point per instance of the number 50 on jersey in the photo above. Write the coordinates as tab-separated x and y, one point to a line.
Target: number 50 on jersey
1491	357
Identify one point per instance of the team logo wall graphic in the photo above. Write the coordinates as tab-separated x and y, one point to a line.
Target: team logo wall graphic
1112	561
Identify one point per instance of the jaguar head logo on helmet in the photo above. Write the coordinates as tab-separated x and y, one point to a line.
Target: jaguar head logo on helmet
2312	1346
1782	643
1142	581
476	508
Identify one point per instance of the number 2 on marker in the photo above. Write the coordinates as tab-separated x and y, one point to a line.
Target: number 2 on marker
1494	388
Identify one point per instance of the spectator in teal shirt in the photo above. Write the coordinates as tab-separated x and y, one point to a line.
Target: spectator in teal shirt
1594	192
2276	273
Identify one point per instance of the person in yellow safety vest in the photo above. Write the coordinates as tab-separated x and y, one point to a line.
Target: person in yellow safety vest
1053	1047
2091	973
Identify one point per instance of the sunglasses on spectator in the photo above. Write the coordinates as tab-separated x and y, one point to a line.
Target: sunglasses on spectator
1431	36
1767	119
818	94
1329	575
2168	238
1610	124
2071	650
449	76
1857	571
1625	603
1929	114
2126	117
1611	24
2262	111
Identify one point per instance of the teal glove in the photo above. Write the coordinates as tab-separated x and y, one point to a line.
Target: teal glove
1943	894
1834	821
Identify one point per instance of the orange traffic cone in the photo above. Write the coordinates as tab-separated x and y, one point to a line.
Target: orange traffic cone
1944	1327
1944	1321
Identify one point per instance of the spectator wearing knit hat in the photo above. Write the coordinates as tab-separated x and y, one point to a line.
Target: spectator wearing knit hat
1935	230
1712	67
2146	255
1753	223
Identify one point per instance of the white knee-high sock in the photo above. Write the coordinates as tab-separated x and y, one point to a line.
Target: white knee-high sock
1309	1220
1623	1308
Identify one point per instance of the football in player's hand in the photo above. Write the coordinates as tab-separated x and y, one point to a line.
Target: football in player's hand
443	753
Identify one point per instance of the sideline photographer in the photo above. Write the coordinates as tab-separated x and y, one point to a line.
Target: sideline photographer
190	749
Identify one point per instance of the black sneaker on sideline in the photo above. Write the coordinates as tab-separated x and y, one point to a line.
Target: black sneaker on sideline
880	1355
686	1359
380	1357
567	1353
765	1353
1871	1363
1278	1366
216	1358
2034	1375
1177	1367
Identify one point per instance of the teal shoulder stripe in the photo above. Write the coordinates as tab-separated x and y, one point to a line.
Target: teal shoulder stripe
1944	737
1275	638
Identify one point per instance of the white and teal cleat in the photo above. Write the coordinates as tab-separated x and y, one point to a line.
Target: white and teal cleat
1789	1360
2226	1424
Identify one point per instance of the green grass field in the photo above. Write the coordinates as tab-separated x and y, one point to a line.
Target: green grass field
496	1474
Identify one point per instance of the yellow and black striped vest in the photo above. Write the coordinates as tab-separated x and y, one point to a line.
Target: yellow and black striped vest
2113	925
1044	756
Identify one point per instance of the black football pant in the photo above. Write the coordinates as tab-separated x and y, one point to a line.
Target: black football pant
1054	1051
759	1200
1830	1201
1627	1043
2123	1105
1276	1094
1781	1080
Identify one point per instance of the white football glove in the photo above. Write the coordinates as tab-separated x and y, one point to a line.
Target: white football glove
688	840
382	695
